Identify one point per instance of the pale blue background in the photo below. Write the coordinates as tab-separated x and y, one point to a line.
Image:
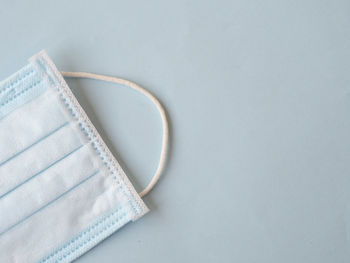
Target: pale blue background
258	94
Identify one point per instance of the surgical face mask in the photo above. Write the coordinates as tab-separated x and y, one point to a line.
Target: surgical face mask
61	190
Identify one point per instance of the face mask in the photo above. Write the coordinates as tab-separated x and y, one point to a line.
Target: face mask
61	190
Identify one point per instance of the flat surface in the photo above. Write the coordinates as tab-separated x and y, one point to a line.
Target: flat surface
258	96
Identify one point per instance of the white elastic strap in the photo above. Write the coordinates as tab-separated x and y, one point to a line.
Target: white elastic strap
154	100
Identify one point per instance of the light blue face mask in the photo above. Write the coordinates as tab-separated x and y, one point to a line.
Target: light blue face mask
61	190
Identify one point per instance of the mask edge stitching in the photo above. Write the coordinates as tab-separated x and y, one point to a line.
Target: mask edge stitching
12	83
84	233
93	237
21	93
63	88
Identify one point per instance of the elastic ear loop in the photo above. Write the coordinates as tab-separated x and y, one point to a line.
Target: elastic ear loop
165	136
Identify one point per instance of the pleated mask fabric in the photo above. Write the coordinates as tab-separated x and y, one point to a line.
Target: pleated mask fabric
61	190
